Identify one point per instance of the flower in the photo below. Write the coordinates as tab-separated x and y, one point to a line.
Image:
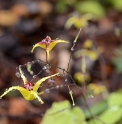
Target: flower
29	90
97	88
81	78
47	44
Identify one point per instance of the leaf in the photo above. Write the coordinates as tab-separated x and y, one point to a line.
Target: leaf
117	4
110	116
115	99
63	5
61	113
61	8
96	109
91	7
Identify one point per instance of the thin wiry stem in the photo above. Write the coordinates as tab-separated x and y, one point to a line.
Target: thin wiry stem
36	75
69	61
72	49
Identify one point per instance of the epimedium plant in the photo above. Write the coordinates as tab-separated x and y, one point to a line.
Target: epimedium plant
30	90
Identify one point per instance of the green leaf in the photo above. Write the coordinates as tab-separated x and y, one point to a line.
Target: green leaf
117	4
61	8
61	113
120	121
91	7
115	99
96	109
63	5
110	116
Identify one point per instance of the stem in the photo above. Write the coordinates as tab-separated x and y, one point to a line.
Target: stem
72	49
47	57
69	61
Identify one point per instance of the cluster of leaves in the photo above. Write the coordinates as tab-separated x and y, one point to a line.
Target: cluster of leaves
108	111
